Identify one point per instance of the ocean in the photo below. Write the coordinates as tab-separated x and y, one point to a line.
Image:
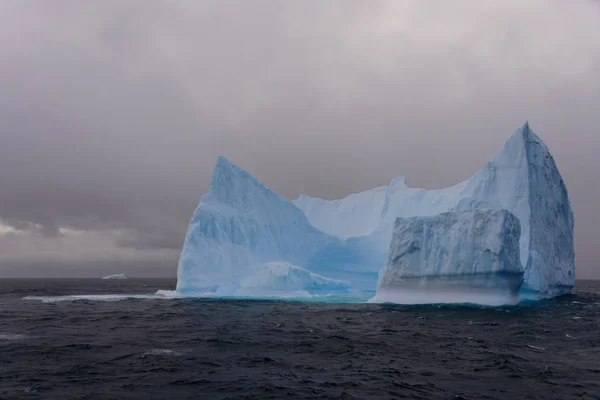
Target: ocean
118	347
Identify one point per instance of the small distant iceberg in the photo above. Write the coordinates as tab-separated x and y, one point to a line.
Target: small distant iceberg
116	276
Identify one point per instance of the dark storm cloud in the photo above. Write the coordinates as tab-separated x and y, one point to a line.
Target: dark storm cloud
113	112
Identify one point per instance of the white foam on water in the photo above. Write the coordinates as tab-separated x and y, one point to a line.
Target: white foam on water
161	352
172	294
92	297
11	336
534	347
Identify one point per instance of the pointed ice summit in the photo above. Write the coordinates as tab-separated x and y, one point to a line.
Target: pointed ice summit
241	225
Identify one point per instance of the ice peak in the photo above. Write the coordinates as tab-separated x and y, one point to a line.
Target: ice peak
520	145
398	183
528	135
224	164
230	181
225	168
223	172
521	135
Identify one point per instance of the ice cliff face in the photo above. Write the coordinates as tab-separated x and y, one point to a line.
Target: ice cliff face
468	256
239	225
523	179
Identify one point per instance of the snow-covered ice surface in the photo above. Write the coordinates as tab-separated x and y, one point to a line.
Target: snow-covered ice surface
469	256
115	276
355	215
240	225
523	178
281	279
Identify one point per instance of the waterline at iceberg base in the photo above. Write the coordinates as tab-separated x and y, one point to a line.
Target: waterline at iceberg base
491	289
241	225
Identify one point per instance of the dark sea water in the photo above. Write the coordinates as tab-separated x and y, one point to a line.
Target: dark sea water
148	348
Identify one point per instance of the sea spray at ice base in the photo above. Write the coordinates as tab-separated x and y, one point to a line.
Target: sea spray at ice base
241	224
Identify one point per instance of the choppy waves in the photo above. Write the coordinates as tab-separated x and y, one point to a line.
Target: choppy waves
130	345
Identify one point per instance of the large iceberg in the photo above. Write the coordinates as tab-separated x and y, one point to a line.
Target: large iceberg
523	179
240	224
469	256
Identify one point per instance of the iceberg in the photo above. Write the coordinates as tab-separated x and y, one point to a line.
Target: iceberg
115	276
240	225
467	256
522	178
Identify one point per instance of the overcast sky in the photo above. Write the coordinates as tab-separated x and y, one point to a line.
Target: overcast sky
113	112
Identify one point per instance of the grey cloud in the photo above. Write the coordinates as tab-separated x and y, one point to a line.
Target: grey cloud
153	239
113	113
